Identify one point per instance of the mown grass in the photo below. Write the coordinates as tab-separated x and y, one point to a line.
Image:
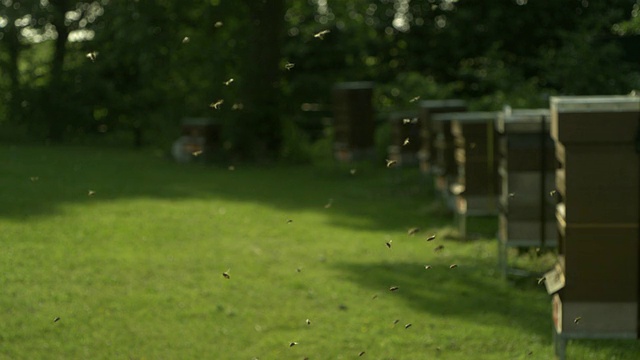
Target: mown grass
134	271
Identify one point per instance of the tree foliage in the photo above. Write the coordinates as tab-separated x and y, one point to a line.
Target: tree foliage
130	70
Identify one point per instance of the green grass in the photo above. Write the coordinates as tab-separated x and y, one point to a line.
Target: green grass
135	271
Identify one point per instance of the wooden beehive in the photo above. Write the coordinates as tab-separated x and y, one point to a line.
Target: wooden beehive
353	123
527	174
475	154
428	133
597	275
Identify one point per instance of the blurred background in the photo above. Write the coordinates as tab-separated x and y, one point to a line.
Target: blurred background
126	73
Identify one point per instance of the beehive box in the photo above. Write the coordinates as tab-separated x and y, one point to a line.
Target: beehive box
476	156
445	168
353	123
428	108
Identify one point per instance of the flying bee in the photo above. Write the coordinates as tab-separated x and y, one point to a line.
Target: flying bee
396	321
56	319
407	326
388	243
320	35
413	231
299	270
91	193
393	288
308	322
453	266
414	99
438	248
577	320
293	343
92	56
226	274
228	82
197	153
34	178
218	24
406	121
406	142
231	168
352	171
289	65
328	205
361	353
375	296
216	105
553	193
431	238
512	195
541	280
427	267
390	163
289	221
185	39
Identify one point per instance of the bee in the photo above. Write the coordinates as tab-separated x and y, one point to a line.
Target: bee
197	153
185	40
375	296
390	163
541	280
361	353
553	193
512	195
231	168
427	267
352	171
396	321
414	99
293	343
407	326
289	221
393	288
431	238
298	269
328	205
91	193
228	82
438	248
289	66
56	319
388	243
577	320
406	142
530	353
308	322
453	266
218	24
34	178
226	274
320	35
92	56
413	231
216	105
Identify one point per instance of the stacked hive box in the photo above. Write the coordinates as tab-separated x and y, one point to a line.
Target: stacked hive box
445	170
405	137
527	176
476	157
596	278
429	131
353	121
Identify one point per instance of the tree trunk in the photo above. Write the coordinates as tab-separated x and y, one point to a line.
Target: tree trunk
260	86
56	120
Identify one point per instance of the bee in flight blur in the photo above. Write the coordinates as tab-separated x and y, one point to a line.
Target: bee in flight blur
216	105
320	35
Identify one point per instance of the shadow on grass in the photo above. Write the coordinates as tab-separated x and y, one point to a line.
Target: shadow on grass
36	181
470	291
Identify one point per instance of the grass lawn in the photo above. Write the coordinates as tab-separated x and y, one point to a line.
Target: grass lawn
135	270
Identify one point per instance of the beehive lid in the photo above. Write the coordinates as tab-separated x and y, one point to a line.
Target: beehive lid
522	120
605	103
466	117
